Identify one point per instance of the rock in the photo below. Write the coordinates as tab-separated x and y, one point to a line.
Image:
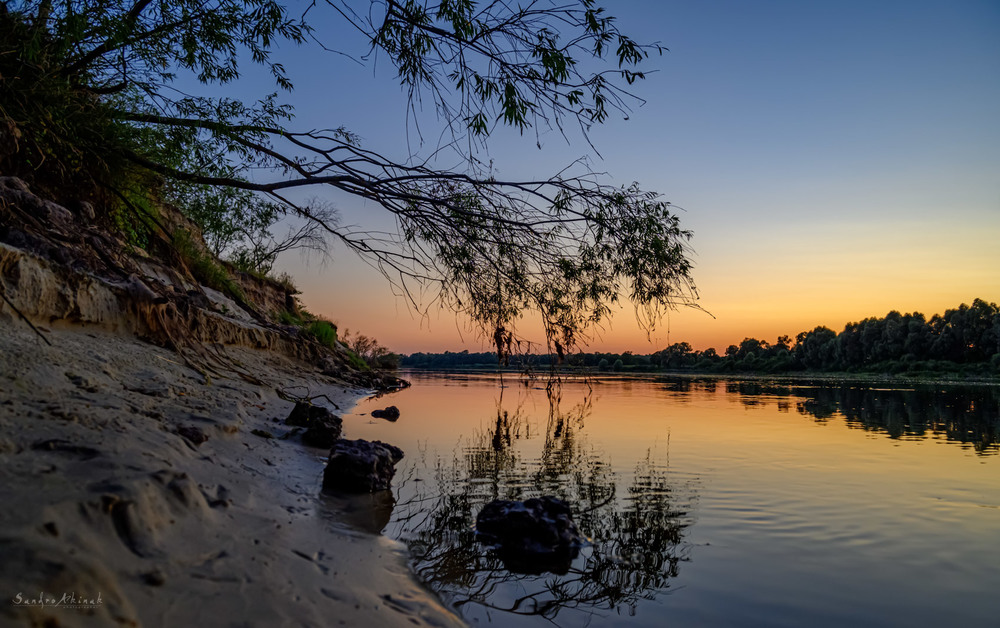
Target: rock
194	434
532	536
323	434
322	426
361	466
138	290
304	414
14	190
389	414
13	183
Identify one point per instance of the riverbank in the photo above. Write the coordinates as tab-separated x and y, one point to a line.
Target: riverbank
889	379
146	474
110	497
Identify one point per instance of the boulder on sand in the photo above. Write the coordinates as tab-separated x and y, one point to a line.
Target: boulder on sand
361	466
323	427
305	414
323	434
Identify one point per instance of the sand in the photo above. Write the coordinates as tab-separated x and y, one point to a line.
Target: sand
107	505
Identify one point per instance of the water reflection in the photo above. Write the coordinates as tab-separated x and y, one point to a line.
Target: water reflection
635	524
969	415
368	512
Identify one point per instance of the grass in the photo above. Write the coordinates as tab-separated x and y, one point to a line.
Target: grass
285	281
287	318
324	332
205	268
321	329
357	361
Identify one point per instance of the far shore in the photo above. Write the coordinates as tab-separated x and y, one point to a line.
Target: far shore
799	376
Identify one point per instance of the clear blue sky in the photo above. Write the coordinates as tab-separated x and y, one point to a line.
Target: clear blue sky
836	160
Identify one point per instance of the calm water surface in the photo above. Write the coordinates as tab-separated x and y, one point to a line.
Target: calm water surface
707	502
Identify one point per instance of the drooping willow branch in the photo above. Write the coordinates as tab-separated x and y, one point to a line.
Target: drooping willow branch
567	246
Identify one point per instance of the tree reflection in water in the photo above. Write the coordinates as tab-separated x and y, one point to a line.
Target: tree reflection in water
636	534
966	415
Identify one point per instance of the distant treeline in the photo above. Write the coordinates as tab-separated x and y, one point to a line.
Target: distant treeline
963	340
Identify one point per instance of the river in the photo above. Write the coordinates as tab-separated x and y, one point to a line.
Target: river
707	502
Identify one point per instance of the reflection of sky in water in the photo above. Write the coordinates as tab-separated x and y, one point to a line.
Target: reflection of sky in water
708	502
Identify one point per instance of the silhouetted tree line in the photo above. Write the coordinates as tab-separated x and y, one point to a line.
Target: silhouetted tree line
965	339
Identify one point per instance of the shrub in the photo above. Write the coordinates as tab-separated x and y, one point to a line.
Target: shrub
356	361
389	361
286	282
205	268
324	332
287	318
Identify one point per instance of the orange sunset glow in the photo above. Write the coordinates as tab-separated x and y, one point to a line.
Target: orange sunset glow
821	188
798	286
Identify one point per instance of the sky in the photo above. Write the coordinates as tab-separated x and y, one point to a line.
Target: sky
835	161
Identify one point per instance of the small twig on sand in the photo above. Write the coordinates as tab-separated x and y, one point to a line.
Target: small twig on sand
287	396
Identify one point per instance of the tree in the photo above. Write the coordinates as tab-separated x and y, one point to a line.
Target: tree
751	347
783	344
238	225
566	246
369	350
674	356
815	349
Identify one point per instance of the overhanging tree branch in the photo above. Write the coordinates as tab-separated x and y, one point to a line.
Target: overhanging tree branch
567	246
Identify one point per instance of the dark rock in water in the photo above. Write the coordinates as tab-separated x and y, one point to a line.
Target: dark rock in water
389	414
323	434
194	434
361	466
305	414
532	536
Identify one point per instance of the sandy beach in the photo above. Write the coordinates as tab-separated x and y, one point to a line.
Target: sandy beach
114	514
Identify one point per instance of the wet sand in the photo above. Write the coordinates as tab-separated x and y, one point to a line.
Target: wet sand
105	502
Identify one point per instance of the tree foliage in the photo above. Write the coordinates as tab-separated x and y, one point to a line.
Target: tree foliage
567	246
964	339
